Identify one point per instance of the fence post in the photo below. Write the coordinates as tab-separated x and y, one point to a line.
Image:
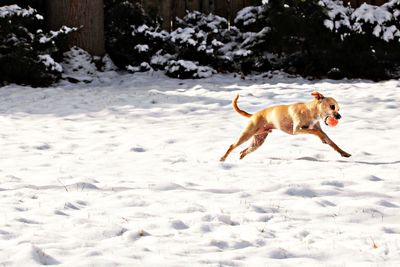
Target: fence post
178	10
166	7
205	6
76	13
221	8
236	5
193	5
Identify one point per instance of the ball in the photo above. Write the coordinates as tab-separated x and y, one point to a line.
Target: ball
332	122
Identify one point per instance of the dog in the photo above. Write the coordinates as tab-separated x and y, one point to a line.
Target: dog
298	118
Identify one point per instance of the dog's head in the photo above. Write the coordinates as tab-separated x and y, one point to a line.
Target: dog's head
327	106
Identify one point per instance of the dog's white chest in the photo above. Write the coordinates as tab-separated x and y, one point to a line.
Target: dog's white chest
313	123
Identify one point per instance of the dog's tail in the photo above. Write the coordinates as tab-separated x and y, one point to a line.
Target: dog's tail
237	109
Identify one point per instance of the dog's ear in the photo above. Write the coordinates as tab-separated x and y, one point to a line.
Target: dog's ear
317	95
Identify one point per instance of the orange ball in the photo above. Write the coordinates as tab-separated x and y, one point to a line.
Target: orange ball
332	122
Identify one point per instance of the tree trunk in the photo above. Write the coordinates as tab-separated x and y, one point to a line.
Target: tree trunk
88	15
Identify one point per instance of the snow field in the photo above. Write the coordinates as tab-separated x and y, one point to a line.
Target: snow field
125	172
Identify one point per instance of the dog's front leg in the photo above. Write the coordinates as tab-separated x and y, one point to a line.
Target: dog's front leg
324	138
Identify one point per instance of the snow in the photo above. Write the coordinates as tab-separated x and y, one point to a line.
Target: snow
214	22
15	10
217	43
162	35
374	15
371	13
142	48
251	37
192	42
124	172
160	60
142	28
144	66
338	13
188	69
243	52
54	34
186	64
383	19
182	35
390	33
211	22
50	64
204	72
249	15
108	64
78	65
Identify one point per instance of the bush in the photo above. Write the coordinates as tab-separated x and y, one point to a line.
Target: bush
317	38
250	19
78	66
290	36
26	51
184	69
369	38
132	37
206	39
322	38
135	42
39	5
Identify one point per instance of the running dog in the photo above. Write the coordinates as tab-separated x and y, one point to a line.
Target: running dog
299	118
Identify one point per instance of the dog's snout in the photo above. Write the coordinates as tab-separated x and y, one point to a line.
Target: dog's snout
337	115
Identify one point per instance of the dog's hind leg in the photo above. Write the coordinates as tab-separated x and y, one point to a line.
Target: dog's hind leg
250	130
258	140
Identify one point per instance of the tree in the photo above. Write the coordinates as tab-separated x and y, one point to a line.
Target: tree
88	15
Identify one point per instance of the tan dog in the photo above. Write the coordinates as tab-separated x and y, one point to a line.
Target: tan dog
299	118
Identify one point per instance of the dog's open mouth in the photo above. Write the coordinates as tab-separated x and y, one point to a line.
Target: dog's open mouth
326	119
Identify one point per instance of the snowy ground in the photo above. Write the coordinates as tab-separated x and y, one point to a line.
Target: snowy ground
126	173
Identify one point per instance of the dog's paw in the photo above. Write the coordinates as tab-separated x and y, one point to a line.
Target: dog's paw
346	155
243	153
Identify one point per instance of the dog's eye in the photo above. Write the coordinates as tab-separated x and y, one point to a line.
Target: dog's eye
332	106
